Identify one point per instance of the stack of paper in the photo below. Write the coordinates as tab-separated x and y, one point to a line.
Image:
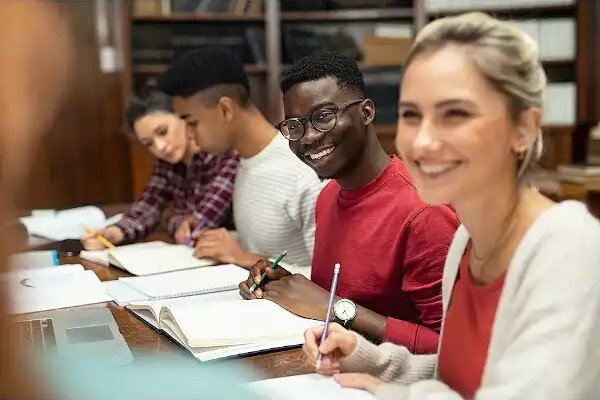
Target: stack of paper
67	224
54	287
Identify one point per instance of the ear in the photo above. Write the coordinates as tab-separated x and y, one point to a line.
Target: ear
228	107
368	111
528	128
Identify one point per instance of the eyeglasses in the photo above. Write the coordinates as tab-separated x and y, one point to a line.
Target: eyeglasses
324	119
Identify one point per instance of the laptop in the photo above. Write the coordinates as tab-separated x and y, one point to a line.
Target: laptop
78	333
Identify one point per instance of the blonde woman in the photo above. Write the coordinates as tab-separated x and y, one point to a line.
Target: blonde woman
521	286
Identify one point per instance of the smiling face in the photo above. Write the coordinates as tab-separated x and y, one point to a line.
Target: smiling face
163	134
331	154
455	132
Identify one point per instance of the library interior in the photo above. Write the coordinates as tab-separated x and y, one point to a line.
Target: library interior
277	199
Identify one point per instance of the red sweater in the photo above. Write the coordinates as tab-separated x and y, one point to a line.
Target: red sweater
469	321
392	249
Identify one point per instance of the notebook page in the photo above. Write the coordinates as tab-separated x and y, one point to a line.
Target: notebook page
156	260
302	387
57	291
237	322
188	282
100	257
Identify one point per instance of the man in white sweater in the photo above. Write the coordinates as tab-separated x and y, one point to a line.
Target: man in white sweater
274	193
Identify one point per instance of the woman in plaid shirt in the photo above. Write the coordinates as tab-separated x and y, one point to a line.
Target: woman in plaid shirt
198	185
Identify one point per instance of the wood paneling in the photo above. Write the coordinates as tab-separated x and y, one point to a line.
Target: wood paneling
85	158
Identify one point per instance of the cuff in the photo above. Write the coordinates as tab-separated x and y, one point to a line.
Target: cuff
401	332
364	358
128	227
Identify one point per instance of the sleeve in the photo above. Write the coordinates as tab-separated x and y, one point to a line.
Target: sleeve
145	213
429	238
551	334
213	204
301	210
389	362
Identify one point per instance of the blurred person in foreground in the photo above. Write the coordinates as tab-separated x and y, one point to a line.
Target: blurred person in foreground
35	70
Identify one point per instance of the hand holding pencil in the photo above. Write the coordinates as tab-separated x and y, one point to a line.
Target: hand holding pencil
98	239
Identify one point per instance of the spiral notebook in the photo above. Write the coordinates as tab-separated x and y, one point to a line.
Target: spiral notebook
188	282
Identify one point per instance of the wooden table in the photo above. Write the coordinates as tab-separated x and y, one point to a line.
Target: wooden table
144	340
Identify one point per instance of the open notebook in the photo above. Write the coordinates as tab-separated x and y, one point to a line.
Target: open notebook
150	258
222	325
188	282
67	224
101	256
301	387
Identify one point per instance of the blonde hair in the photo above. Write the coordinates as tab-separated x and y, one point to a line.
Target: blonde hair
506	56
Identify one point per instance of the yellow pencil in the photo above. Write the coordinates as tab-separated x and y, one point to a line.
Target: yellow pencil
102	239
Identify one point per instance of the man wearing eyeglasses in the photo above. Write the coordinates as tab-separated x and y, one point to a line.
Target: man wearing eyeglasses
369	218
274	194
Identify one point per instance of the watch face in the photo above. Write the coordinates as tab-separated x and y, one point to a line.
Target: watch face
345	310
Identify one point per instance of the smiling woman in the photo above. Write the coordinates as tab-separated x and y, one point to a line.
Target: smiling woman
469	125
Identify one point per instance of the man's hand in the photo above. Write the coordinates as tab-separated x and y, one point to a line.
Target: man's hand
255	276
298	295
221	246
184	230
113	234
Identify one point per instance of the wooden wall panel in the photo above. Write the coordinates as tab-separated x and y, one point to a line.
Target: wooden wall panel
85	158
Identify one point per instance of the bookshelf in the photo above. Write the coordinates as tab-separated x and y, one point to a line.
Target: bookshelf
278	17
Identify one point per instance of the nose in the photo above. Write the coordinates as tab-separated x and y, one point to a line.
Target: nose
311	135
160	144
426	140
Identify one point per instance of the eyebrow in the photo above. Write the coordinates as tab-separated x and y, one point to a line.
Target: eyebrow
185	116
315	108
443	103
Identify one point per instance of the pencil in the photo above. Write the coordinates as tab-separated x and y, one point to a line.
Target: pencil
334	280
273	265
102	239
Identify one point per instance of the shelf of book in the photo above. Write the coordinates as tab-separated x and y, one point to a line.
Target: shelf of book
348	15
160	68
541	11
204	17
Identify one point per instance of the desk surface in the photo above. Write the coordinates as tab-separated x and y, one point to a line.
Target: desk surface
143	340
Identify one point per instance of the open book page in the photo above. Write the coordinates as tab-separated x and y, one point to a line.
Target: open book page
302	387
101	256
228	323
156	260
188	282
150	309
67	224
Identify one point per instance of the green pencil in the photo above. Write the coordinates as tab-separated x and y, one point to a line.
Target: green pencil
273	265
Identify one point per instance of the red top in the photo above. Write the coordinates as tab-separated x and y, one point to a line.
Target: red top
467	330
391	247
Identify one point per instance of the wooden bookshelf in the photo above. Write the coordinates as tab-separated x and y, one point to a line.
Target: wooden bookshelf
348	15
160	68
542	11
203	17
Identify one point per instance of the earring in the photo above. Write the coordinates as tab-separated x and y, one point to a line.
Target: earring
521	152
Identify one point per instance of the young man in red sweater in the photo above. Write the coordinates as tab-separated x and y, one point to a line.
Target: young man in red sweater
391	246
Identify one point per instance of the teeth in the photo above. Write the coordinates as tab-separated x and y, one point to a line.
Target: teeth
321	154
435	169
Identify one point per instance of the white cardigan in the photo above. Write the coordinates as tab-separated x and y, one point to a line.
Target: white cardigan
545	341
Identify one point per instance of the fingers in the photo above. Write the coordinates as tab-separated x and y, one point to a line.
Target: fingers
277	273
90	234
358	381
246	293
342	341
92	244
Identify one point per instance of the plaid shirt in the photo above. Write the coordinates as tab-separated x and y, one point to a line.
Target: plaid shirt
204	189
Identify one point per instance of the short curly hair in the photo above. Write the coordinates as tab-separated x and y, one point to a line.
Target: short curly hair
324	64
210	69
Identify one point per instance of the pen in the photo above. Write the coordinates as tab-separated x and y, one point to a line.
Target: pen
190	239
336	273
102	239
273	265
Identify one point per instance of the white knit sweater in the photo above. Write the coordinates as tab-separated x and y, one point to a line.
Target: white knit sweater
545	342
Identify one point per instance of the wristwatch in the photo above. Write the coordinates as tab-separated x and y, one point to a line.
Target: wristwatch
344	311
